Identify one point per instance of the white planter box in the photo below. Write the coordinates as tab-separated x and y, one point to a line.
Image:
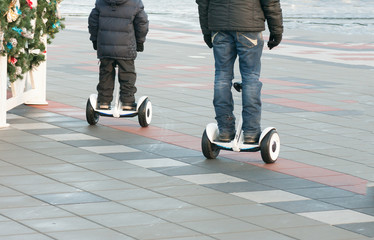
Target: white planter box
29	90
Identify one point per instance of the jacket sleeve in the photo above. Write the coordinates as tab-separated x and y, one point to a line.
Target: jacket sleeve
203	6
273	14
141	24
93	24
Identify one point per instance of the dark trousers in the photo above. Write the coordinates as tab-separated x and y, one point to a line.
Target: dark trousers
126	78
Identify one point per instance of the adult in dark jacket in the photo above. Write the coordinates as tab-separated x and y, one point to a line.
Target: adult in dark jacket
234	29
118	29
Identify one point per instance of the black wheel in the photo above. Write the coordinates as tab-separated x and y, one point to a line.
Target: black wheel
92	117
145	113
270	147
209	149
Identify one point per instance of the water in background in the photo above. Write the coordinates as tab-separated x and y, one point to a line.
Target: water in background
339	16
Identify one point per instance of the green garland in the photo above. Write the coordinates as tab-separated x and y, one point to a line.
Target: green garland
23	42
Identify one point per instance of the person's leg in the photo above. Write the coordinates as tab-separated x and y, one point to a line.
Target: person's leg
127	79
106	83
249	47
224	54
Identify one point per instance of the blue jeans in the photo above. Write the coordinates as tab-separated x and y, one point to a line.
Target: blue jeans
227	45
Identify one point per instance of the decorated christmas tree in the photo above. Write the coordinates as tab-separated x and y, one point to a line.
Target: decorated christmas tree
23	28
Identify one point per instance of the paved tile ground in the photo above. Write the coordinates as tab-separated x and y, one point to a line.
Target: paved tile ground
63	179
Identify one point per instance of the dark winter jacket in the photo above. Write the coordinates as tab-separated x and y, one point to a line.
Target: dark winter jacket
240	15
117	26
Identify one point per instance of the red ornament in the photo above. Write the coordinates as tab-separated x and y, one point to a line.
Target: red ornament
13	60
29	3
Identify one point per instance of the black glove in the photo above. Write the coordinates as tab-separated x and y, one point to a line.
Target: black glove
139	47
274	40
94	43
208	40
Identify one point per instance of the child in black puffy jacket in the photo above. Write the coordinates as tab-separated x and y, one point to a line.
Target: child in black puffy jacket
118	29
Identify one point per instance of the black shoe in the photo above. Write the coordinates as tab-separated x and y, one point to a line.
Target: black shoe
251	138
225	137
128	106
103	106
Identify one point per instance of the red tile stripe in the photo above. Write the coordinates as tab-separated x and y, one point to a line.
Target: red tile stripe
290	91
307	106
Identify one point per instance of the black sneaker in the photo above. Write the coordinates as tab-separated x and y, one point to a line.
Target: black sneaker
103	106
225	137
128	106
251	138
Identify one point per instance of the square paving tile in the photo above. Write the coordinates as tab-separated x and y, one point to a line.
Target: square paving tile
153	204
35	236
25	179
132	155
128	194
70	136
323	232
70	198
10	228
263	235
28	126
115	220
322	192
178	153
88	143
60	224
352	202
185	190
45	188
12	170
339	217
39	212
258	174
249	209
111	184
211	178
285	220
366	228
55	168
158	181
86	157
290	183
158	231
105	165
183	170
44	144
137	172
10	116
8	192
270	196
220	199
304	206
92	234
218	226
68	177
199	237
368	211
95	208
192	214
110	149
239	187
160	162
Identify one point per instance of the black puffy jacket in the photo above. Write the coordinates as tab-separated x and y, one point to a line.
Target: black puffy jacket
117	26
240	15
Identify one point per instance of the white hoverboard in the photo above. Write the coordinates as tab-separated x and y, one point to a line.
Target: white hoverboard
143	110
269	142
